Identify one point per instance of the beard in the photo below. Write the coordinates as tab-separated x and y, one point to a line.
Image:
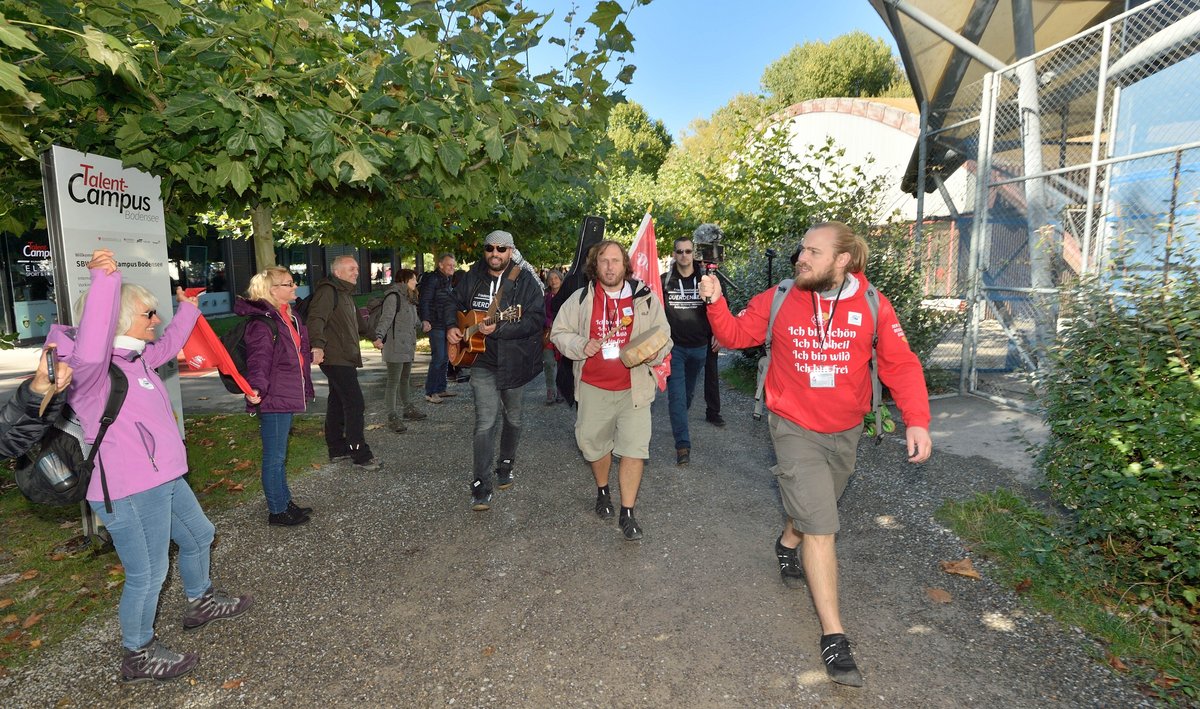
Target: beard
816	282
611	282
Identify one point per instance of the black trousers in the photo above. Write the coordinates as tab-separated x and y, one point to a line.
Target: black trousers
344	414
712	385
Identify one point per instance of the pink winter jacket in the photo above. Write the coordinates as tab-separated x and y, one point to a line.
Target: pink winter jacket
142	448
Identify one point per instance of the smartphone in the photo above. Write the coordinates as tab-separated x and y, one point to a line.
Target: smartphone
51	363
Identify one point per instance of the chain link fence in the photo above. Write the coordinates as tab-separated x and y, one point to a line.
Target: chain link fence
1085	150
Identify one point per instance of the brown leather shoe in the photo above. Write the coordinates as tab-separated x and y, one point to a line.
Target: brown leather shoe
683	456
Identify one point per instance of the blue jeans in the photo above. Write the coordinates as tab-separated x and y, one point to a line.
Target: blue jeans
686	365
490	402
142	528
274	429
435	380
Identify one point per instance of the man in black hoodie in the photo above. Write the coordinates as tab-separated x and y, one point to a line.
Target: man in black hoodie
507	301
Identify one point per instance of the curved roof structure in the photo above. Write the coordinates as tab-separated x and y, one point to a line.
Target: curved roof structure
993	34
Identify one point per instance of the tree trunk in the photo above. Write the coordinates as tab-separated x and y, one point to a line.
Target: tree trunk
264	241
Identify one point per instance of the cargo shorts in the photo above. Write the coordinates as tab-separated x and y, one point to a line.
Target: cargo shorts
813	471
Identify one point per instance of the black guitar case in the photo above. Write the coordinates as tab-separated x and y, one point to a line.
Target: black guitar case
590	234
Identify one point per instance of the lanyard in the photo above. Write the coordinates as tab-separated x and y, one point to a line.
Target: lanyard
823	326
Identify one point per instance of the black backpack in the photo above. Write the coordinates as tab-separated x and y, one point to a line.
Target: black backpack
375	309
234	342
56	471
301	306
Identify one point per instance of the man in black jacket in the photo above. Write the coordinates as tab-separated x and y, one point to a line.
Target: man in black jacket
22	422
510	297
436	310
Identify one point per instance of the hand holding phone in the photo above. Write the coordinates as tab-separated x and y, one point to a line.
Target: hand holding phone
51	364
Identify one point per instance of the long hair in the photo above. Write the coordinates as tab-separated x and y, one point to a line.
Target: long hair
261	282
403	275
594	255
845	241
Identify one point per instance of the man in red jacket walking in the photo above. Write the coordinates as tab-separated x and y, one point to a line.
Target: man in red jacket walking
818	389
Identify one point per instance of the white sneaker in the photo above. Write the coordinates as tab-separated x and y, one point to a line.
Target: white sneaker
433	398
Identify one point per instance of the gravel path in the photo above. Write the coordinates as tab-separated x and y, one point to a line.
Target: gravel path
397	594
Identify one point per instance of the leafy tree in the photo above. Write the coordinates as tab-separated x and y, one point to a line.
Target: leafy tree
853	64
641	144
386	120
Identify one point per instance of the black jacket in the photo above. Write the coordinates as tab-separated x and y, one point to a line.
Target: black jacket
20	425
436	303
516	346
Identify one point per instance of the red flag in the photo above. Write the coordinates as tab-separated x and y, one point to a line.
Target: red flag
204	350
643	255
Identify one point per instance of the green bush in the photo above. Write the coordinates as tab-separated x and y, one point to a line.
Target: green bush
1123	405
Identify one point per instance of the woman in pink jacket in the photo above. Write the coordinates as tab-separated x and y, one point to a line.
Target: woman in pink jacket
141	496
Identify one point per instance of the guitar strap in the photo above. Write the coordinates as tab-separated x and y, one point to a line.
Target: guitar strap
514	272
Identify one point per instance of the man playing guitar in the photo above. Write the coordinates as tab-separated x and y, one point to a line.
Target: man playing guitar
501	302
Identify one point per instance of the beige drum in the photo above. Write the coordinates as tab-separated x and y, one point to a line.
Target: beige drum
643	347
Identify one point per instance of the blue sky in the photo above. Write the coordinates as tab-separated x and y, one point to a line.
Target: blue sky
692	56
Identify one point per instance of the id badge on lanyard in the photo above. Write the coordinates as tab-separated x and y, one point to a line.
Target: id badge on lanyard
821	378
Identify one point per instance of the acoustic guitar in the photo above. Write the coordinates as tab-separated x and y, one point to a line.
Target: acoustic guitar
473	342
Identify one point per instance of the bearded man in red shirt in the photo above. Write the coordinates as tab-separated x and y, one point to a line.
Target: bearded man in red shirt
818	388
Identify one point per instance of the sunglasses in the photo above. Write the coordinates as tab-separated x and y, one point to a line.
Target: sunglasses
498	249
149	314
683	251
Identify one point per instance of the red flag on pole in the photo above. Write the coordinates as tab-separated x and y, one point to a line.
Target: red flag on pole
643	255
204	350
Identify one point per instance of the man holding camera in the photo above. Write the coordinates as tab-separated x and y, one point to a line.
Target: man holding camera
818	389
692	336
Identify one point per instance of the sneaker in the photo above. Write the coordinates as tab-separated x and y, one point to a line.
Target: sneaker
446	394
214	605
370	464
835	652
481	496
339	458
433	398
155	661
504	475
631	529
292	506
683	456
790	568
397	425
604	508
414	415
716	420
287	518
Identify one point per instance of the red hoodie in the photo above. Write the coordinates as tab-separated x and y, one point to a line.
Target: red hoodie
796	348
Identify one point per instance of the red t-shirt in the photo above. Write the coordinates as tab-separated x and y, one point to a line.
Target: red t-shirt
607	311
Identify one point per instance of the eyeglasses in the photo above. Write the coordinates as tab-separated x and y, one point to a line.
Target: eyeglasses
149	314
289	284
498	249
683	251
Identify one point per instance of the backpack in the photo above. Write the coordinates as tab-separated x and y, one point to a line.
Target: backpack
872	295
58	470
375	309
235	345
301	306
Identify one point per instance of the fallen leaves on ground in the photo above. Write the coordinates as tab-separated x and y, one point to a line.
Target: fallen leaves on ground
12	636
59	556
242	465
35	643
233	684
962	567
1024	585
116	570
1166	681
31	574
489	650
938	595
374	427
234	487
214	485
10	619
1115	663
66	525
6	602
32	620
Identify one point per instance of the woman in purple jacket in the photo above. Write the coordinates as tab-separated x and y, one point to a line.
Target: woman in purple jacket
147	503
278	362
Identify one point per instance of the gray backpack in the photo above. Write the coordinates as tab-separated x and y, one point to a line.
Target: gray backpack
781	292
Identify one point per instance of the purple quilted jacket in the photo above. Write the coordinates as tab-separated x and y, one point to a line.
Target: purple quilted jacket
273	368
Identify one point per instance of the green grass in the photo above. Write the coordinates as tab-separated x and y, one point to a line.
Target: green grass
1035	555
61	582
